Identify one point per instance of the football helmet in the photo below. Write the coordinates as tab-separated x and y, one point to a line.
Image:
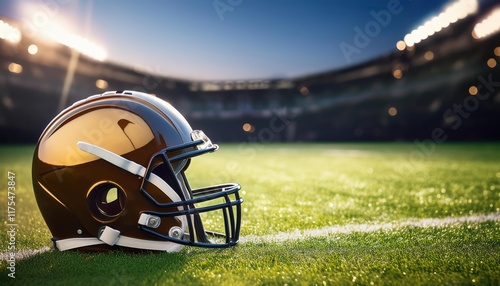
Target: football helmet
109	173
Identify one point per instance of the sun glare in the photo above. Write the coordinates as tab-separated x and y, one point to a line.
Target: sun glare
79	43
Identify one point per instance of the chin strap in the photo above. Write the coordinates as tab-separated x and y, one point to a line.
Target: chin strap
110	236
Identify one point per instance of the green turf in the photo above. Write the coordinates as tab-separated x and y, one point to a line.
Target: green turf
301	187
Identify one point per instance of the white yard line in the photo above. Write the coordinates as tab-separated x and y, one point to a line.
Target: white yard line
322	232
369	227
23	254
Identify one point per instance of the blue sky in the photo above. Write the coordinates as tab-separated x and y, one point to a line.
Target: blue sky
231	39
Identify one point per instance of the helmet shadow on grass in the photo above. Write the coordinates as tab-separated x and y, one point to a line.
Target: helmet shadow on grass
93	268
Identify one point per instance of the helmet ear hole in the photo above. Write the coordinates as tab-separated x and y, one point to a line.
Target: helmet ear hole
106	201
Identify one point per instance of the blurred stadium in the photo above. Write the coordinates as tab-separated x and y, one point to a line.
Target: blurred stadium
314	214
441	80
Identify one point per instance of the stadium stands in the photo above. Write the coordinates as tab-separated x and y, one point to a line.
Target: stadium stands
446	86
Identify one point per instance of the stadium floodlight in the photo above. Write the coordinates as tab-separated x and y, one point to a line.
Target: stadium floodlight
79	43
15	68
49	24
488	26
9	33
33	49
409	40
451	14
491	63
401	45
101	84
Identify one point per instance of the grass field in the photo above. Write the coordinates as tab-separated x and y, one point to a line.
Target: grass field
314	214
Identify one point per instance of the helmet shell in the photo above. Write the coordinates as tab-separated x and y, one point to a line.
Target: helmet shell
79	193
